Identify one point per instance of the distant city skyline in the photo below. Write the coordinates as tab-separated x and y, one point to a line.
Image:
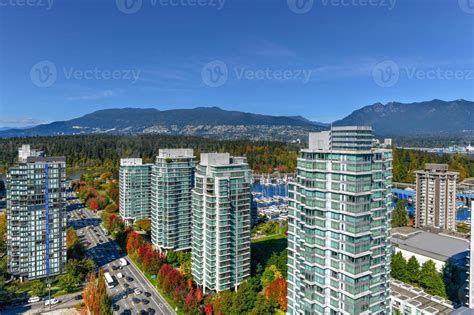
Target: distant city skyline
319	59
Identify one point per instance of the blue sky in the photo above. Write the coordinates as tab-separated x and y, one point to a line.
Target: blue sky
322	59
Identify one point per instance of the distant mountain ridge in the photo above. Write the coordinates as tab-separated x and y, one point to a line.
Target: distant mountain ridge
434	117
201	121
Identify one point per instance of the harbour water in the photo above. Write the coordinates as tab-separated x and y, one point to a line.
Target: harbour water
269	191
462	214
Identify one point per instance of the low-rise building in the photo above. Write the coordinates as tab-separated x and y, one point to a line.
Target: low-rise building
409	300
425	246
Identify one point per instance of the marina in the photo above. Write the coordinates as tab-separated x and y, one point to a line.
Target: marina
271	198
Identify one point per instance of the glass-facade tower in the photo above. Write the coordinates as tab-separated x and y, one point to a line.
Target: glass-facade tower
172	182
36	215
221	202
339	225
134	190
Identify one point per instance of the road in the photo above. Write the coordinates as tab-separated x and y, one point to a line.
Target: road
105	253
37	308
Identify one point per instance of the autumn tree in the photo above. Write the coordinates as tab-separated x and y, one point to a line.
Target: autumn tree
95	295
277	290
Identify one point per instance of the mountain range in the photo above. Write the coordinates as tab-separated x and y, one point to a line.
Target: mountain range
392	119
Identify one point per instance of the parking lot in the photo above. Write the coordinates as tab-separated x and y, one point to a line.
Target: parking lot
105	252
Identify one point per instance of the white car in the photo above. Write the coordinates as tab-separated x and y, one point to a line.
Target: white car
137	291
120	275
33	299
51	302
123	262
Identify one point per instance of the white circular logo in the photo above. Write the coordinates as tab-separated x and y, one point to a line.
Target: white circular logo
129	6
386	73
300	6
43	73
214	73
467	6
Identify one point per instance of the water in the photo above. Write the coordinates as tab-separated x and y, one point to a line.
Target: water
75	175
269	191
462	214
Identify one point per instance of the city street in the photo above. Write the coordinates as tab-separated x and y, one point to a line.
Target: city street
105	253
37	308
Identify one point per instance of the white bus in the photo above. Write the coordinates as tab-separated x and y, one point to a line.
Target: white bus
109	281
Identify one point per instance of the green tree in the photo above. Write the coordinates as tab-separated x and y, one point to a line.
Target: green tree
172	257
244	299
264	306
400	214
68	282
413	271
80	268
105	305
431	280
398	267
37	288
280	260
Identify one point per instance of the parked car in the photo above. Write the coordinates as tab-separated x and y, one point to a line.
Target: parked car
33	299
145	301
51	302
135	300
120	275
137	291
115	307
147	294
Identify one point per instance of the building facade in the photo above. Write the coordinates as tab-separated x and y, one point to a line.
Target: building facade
221	201
470	266
339	225
436	197
172	182
36	216
134	190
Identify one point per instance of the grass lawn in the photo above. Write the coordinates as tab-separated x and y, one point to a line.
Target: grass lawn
263	248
